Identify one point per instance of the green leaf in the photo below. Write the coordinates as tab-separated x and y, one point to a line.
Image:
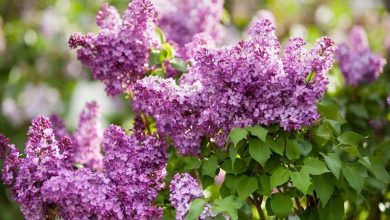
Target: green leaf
233	154
196	209
304	147
330	111
228	205
359	110
333	210
238	167
281	204
314	166
280	176
206	181
247	185
333	162
292	150
336	125
259	132
350	138
321	134
268	207
301	180
158	72
156	57
209	166
378	169
352	150
324	187
355	175
265	185
169	214
238	134
192	163
231	182
179	65
259	151
276	146
161	35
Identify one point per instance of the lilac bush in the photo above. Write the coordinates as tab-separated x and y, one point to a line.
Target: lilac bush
357	63
230	87
249	113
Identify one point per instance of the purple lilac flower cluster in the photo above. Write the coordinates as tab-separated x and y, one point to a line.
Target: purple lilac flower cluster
183	190
237	86
357	63
86	139
200	17
119	54
46	185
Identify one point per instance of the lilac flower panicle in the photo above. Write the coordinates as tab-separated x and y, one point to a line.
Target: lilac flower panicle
183	190
82	194
176	110
201	17
58	127
237	86
84	147
357	63
108	18
138	169
42	161
87	138
45	182
10	157
118	55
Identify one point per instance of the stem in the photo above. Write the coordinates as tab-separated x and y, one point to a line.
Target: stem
299	206
257	204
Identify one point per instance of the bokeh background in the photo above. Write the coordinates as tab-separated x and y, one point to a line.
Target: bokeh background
40	75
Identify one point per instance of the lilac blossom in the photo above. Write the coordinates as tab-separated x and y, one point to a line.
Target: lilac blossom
46	185
82	194
86	140
238	86
119	54
183	190
137	166
175	108
201	17
357	63
42	161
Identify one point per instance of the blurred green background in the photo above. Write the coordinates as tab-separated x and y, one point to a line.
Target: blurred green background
40	75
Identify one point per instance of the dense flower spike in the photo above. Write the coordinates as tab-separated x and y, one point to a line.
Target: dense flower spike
118	55
357	63
45	184
82	194
10	157
243	85
183	190
87	138
201	17
175	108
85	149
43	160
138	169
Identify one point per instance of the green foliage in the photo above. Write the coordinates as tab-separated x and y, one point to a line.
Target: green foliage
281	204
259	151
196	209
